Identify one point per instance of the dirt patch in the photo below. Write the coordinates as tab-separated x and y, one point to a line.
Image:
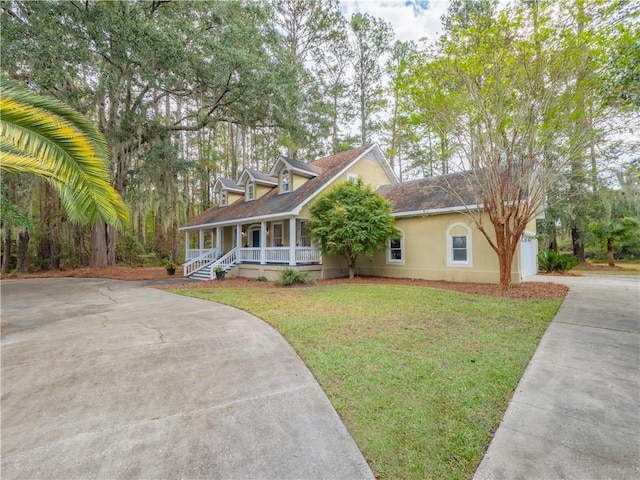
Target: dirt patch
522	290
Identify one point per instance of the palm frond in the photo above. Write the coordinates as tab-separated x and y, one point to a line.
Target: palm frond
43	136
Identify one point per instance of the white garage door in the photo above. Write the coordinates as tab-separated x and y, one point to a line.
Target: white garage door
528	255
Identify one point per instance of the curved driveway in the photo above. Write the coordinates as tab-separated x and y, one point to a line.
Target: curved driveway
576	411
108	379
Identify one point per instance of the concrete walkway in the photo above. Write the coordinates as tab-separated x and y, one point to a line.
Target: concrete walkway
106	379
576	411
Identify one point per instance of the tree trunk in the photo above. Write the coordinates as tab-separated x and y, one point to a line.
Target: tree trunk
352	271
578	247
23	251
98	246
610	260
6	251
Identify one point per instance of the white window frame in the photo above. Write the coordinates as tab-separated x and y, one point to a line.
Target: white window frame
390	259
223	198
251	190
284	173
273	234
459	263
352	177
299	237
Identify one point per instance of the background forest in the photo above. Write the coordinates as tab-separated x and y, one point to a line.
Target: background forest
185	92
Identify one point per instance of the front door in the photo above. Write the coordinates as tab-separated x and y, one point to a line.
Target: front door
255	238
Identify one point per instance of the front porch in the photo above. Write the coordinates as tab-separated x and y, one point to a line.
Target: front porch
276	243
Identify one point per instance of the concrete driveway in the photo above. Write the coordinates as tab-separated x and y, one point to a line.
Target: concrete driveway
576	411
107	379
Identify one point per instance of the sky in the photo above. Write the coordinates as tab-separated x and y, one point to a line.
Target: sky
410	19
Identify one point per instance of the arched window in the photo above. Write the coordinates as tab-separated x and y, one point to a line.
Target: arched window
285	185
459	245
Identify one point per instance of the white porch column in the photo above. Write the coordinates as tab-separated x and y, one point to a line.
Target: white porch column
263	242
187	239
218	239
201	241
239	235
292	241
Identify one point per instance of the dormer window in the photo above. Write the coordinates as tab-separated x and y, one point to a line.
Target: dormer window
285	185
223	198
251	191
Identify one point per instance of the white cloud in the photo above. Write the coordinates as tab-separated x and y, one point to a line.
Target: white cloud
410	19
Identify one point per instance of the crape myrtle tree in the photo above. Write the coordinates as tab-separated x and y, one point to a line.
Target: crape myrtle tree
352	220
502	100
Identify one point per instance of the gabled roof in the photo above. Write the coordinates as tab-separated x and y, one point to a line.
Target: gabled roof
305	169
258	177
273	204
451	192
227	184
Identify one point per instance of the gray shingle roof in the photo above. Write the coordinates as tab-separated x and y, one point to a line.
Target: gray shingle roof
430	193
297	164
230	184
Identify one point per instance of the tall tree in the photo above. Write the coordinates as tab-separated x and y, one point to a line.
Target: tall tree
130	64
372	39
501	120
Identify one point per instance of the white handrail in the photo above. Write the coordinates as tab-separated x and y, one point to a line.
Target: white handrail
199	262
227	261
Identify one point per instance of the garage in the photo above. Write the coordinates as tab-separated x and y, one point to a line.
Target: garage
528	255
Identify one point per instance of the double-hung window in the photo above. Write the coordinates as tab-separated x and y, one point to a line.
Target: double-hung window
223	198
395	252
459	245
285	185
251	191
459	252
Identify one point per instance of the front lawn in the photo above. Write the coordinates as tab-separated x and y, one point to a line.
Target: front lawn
420	376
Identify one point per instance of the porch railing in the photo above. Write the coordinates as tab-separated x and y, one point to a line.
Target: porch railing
308	255
201	261
249	254
280	255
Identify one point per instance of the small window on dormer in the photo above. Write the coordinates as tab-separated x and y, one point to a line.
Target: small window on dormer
223	198
251	191
285	180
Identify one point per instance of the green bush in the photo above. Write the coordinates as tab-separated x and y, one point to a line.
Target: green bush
289	276
552	261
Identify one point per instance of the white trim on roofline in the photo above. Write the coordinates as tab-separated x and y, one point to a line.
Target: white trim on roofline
377	156
436	211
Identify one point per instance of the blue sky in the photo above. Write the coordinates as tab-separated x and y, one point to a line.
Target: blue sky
411	19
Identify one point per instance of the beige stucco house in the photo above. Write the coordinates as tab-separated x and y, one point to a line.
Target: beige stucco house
259	225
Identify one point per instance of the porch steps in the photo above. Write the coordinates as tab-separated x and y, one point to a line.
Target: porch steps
207	273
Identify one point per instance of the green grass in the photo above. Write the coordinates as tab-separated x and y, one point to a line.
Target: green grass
420	376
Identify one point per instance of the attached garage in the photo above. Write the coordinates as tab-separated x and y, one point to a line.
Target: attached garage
528	255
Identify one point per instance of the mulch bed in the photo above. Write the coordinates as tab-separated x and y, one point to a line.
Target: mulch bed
544	290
